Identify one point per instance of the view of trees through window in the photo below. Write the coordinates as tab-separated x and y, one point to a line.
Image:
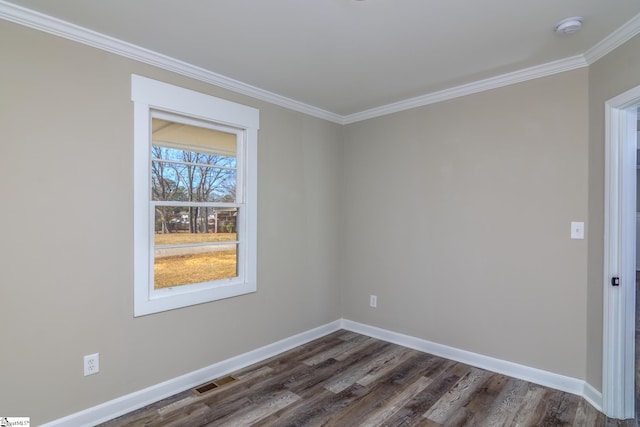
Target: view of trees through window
194	195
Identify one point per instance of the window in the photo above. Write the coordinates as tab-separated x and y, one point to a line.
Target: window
195	184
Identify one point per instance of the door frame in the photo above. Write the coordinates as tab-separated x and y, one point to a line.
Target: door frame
618	373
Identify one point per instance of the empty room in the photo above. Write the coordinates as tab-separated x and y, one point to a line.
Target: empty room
337	212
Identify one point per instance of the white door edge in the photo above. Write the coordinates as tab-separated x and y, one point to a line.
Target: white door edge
619	255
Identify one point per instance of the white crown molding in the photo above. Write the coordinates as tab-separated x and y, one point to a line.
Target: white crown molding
51	25
614	40
531	73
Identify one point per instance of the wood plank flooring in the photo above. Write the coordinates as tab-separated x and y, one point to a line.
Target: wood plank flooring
347	379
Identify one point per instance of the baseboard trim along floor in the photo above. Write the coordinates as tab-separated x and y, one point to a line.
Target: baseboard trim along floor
526	373
125	404
141	398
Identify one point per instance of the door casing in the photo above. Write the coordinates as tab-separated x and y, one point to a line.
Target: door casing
618	394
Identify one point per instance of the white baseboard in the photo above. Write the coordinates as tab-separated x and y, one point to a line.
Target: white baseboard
593	396
130	402
139	399
534	375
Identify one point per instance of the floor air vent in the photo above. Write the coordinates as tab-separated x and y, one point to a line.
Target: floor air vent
212	385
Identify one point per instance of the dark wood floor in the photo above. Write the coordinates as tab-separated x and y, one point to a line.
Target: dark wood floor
347	379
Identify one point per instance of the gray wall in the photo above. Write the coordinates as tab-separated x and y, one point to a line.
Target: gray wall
612	75
456	215
459	219
67	239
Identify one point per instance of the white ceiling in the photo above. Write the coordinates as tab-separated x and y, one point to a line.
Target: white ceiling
346	56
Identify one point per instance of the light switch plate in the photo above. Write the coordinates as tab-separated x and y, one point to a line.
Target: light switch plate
577	230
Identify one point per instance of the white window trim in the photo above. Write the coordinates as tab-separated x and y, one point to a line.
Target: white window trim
148	95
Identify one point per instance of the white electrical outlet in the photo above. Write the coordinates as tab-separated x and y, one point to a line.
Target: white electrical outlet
577	230
91	364
373	301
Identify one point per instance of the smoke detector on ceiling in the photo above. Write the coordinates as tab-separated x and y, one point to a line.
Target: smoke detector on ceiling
569	26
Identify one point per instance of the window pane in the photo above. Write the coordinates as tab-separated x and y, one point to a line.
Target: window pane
179	225
217	262
194	245
180	182
192	163
193	138
161	152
